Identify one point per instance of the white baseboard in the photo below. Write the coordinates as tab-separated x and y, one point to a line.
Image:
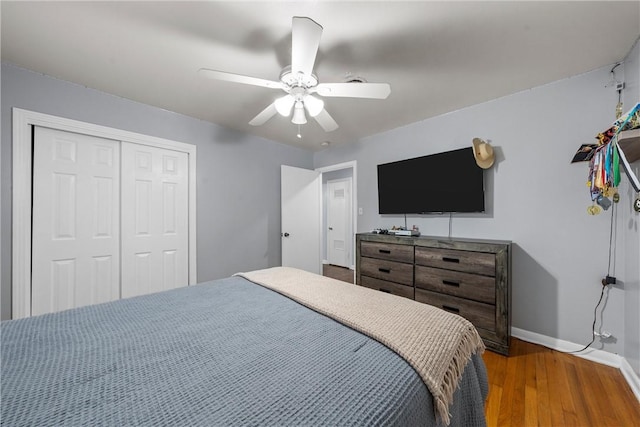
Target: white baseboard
632	378
598	356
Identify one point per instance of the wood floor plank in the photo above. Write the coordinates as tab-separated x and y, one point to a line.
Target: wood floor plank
542	385
537	386
530	392
622	400
508	391
598	400
583	411
492	410
518	396
556	412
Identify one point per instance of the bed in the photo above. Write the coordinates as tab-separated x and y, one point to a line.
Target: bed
256	349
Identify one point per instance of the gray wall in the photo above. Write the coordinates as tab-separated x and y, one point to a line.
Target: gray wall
631	224
238	175
535	198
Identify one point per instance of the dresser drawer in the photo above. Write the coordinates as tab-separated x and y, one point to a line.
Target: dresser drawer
475	262
456	283
480	314
388	251
388	287
387	270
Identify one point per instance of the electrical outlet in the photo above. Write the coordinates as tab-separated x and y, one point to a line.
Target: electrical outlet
603	334
619	86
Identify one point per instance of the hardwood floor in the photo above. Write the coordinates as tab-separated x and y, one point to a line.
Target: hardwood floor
537	386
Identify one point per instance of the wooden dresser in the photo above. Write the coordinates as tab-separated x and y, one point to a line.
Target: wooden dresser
468	277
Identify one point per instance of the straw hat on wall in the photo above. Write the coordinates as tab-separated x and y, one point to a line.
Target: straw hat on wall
483	153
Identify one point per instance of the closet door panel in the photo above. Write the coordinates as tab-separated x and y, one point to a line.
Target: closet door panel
154	219
75	230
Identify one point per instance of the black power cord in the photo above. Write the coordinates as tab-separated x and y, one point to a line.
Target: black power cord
593	327
608	280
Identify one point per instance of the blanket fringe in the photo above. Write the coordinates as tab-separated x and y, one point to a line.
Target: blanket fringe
470	343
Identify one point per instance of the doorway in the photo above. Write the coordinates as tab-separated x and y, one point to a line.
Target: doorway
310	253
339	214
338	220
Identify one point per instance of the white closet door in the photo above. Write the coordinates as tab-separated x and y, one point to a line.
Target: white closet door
75	249
154	219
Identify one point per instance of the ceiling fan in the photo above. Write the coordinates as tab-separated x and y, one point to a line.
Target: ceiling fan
299	82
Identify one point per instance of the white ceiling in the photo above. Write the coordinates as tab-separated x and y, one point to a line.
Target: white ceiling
437	56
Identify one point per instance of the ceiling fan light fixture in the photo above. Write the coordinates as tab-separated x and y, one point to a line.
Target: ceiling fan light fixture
284	105
299	82
298	114
314	105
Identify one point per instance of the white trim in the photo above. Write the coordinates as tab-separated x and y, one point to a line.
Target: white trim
630	375
21	197
353	164
337	167
594	355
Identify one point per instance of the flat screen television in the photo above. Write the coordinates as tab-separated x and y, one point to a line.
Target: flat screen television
443	182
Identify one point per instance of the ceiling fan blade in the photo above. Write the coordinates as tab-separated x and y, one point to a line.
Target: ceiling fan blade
325	121
305	39
354	90
264	115
239	78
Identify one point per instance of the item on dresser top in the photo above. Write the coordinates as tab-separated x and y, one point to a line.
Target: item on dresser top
404	232
380	231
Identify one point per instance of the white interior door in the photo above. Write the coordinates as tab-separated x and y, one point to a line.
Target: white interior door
300	204
75	229
155	224
338	222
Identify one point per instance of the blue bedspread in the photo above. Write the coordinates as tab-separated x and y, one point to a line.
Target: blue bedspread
222	353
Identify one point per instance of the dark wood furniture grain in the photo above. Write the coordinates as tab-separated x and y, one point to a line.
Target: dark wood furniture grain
469	277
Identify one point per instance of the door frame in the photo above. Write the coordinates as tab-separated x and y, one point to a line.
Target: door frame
353	165
22	121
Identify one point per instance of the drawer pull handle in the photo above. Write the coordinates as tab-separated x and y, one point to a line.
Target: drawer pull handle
384	251
447	259
386	291
450	283
451	309
384	270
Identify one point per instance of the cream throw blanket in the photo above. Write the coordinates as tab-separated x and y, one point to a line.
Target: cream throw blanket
435	343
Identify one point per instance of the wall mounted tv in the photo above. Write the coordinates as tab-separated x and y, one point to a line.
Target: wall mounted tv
443	182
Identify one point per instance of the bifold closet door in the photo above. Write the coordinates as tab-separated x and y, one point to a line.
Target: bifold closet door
154	219
75	230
